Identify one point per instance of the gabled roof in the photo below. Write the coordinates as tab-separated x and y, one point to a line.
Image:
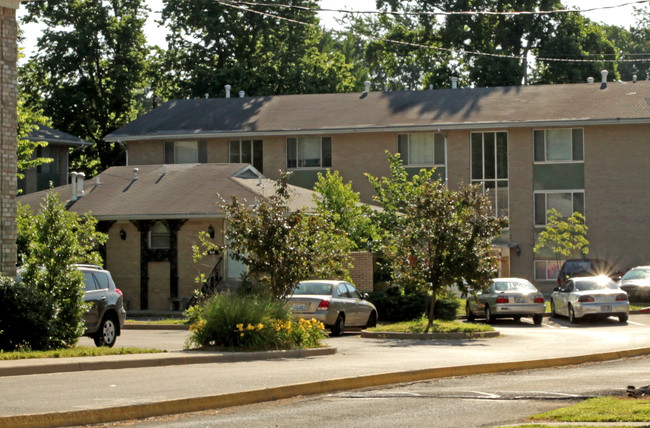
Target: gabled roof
499	107
169	191
55	137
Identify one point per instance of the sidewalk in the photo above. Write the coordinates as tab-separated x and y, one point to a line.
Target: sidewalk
139	386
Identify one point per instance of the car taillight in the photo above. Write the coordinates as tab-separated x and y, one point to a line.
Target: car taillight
621	298
118	291
502	299
585	299
323	305
539	299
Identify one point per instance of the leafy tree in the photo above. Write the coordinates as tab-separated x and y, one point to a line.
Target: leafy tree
565	237
280	247
440	237
57	239
213	44
341	206
88	71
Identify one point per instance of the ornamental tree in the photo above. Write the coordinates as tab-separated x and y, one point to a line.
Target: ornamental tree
565	237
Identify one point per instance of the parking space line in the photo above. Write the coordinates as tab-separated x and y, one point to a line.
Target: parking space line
635	323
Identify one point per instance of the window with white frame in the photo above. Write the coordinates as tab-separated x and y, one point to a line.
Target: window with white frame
558	145
547	270
309	152
422	149
247	151
159	236
564	202
489	167
185	152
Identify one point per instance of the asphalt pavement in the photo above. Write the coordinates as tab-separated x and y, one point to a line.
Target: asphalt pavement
124	387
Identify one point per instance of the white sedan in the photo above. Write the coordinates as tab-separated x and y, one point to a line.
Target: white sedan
595	296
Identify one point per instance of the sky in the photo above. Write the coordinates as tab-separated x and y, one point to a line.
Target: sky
622	16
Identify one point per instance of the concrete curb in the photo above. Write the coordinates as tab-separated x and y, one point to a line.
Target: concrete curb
186	405
130	326
157	360
428	336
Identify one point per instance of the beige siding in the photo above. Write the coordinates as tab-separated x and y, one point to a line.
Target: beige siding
146	152
123	261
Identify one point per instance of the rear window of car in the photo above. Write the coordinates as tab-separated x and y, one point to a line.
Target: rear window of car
637	274
603	284
313	288
102	280
513	285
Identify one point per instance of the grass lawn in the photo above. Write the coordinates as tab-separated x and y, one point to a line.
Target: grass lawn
418	326
77	351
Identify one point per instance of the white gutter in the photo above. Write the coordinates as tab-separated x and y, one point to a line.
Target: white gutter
390	128
127	217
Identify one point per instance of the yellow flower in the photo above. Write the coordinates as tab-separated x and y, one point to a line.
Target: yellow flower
241	334
260	326
240	327
250	327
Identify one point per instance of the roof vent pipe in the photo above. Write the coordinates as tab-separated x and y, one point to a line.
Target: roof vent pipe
135	173
366	84
80	184
73	179
97	181
242	94
634	78
227	90
207	95
454	83
590	80
604	73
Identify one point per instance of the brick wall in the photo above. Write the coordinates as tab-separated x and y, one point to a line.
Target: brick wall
8	129
362	272
123	261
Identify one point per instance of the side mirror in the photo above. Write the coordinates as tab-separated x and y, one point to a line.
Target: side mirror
556	289
365	296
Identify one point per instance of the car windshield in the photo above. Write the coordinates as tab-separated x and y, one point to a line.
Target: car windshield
512	285
637	274
321	288
596	284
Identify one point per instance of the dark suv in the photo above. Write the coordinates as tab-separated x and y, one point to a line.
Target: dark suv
584	267
105	318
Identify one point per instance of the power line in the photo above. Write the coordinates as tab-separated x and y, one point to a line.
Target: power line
440	12
423	46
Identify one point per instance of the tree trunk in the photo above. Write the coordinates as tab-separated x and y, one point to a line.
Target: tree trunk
431	312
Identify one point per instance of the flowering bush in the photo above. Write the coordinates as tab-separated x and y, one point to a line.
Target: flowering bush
247	322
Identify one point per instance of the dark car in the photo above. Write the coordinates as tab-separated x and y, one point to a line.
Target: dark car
105	317
584	267
636	283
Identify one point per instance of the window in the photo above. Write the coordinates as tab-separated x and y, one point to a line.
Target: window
89	282
186	152
489	167
547	270
309	152
159	236
565	202
246	151
558	145
421	149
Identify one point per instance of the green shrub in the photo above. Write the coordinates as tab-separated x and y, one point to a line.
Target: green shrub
250	322
394	306
25	317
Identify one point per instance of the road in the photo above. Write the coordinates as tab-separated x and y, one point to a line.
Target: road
470	401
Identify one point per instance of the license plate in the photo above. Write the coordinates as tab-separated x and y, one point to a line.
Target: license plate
300	306
521	299
605	308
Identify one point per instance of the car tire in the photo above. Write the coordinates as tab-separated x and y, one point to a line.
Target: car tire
339	326
489	318
537	319
470	316
572	315
553	313
623	318
107	333
372	320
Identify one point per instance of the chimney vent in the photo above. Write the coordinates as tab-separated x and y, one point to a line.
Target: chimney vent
227	90
207	95
242	94
97	181
454	82
366	84
80	184
73	180
135	173
164	169
604	73
634	78
590	80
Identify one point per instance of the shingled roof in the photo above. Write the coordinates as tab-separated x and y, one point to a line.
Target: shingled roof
499	107
55	137
169	191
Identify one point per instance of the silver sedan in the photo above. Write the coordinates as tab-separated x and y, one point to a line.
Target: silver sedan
507	298
597	296
336	304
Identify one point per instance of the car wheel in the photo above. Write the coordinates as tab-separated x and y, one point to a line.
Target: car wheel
572	316
468	312
553	313
107	333
372	320
339	326
622	318
489	318
537	319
